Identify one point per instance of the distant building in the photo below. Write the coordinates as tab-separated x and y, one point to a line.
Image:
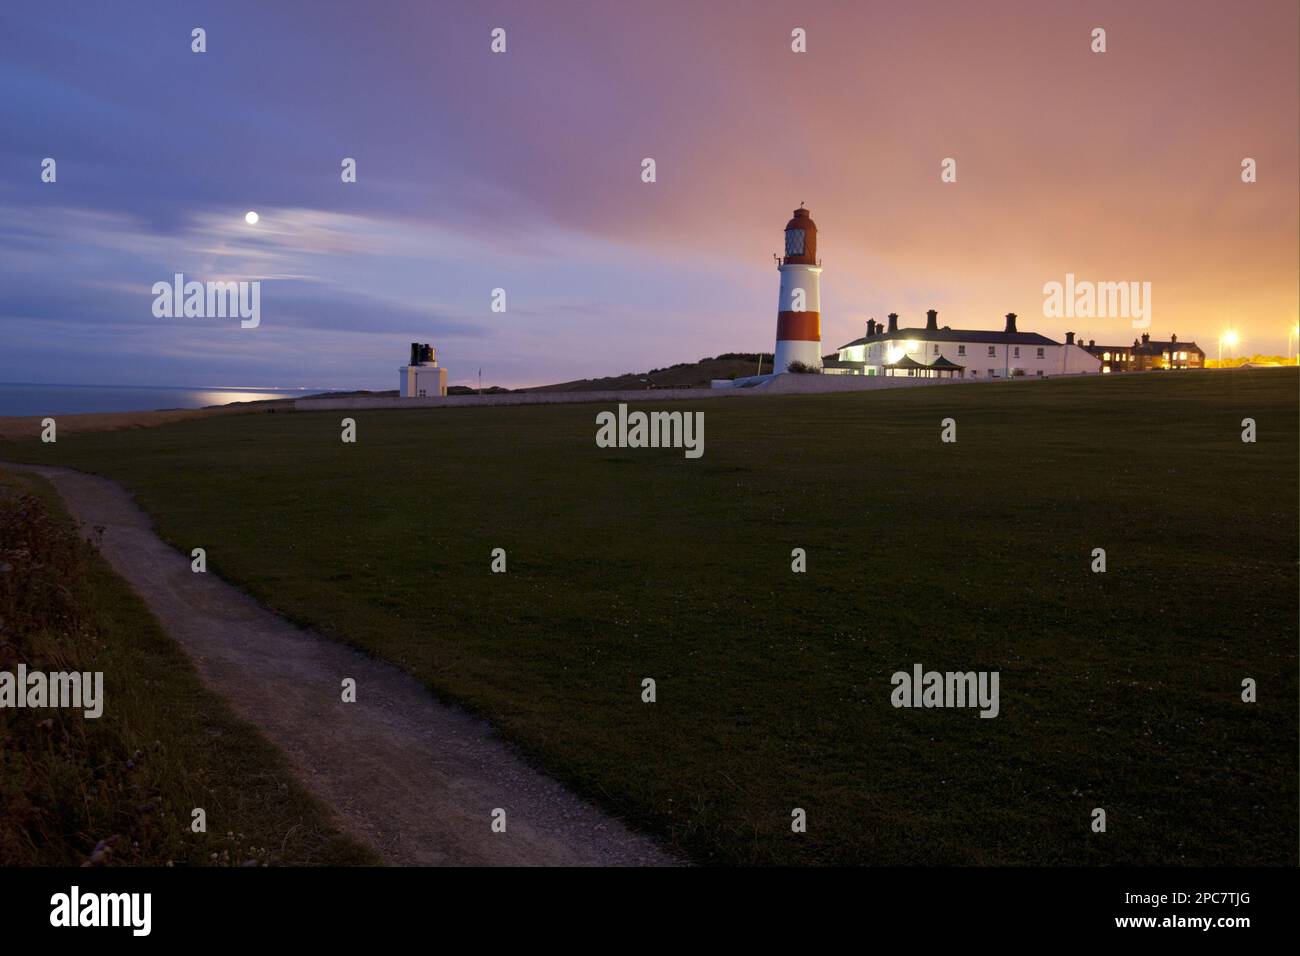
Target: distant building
958	353
422	378
1145	355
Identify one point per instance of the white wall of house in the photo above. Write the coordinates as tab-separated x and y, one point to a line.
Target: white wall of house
422	381
1079	361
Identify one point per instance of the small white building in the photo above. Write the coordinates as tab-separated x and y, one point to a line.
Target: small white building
959	353
422	378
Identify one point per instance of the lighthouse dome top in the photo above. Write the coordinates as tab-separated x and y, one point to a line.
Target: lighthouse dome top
802	220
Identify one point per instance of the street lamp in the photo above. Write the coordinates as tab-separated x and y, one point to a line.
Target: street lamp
1228	338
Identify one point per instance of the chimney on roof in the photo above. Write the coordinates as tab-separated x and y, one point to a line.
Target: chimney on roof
1011	321
1146	338
1173	339
1091	342
893	321
1069	338
871	327
932	321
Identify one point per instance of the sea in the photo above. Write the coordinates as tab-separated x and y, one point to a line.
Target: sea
18	399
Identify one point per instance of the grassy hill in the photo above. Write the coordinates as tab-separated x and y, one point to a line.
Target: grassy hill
1119	690
682	375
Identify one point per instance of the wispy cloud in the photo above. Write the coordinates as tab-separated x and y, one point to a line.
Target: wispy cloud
521	172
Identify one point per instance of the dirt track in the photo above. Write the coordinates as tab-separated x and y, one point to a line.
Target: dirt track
413	778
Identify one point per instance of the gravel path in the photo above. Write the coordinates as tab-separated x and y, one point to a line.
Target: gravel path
416	779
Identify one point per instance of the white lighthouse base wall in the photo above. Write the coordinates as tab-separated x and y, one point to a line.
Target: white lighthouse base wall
796	351
422	381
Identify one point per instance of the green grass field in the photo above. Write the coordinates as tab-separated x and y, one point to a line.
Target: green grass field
1118	690
120	789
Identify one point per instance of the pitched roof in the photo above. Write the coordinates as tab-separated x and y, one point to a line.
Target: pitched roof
986	336
1147	348
942	362
907	362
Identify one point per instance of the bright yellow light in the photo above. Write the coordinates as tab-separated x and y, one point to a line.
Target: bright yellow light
1230	339
911	345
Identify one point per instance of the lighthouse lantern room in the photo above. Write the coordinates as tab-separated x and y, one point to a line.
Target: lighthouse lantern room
798	317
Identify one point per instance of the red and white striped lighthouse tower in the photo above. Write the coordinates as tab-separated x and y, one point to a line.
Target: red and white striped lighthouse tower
799	311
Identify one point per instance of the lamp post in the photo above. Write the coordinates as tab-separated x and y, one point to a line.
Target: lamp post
1229	339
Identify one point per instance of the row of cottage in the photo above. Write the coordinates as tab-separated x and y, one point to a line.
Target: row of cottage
973	353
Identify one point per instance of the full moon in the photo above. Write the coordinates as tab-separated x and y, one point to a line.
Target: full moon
251	218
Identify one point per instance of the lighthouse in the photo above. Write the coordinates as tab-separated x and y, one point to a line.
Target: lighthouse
799	310
422	377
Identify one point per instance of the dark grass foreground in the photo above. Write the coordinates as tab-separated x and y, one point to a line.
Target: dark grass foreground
1119	690
120	789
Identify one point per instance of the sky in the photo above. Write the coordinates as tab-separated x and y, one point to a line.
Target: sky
522	171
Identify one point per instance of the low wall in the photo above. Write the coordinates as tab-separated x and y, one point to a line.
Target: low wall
790	384
778	385
506	398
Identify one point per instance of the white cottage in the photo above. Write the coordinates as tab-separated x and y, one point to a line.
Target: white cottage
959	353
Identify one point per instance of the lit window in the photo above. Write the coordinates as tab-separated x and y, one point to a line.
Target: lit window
1183	356
1105	370
1105	356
